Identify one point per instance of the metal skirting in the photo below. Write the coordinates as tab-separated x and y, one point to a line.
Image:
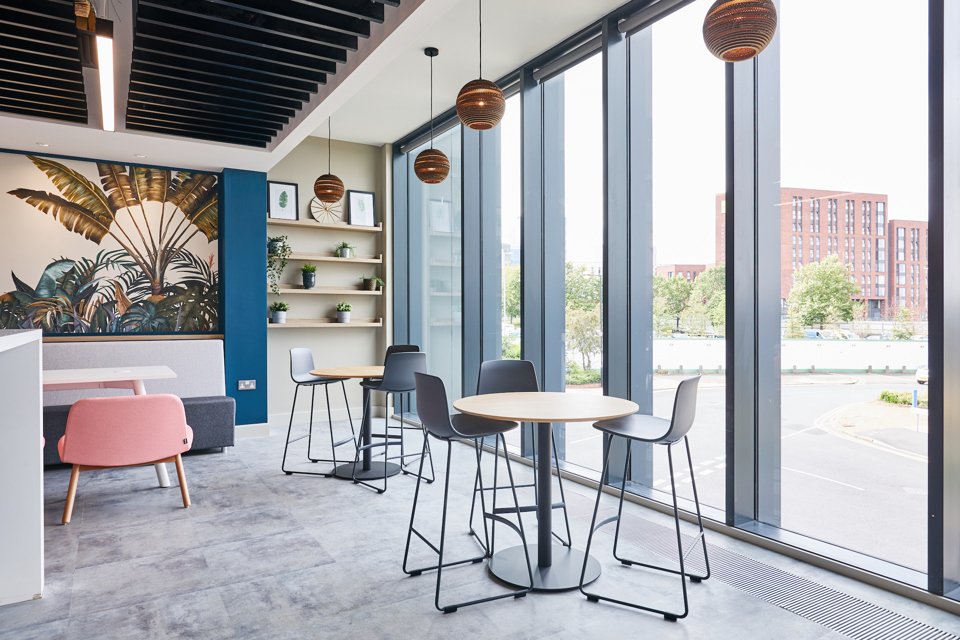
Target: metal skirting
832	609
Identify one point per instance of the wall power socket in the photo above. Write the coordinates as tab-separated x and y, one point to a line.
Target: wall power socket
246	385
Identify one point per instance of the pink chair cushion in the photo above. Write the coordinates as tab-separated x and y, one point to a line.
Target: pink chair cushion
125	430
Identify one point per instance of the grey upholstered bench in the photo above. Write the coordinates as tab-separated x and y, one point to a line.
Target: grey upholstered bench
199	383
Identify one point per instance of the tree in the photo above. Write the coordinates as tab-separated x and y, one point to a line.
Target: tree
903	329
511	292
585	332
708	298
671	297
823	292
584	289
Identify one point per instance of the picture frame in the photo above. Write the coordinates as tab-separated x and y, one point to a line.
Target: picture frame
283	201
361	208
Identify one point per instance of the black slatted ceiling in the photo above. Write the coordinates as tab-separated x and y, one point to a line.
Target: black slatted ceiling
40	72
237	70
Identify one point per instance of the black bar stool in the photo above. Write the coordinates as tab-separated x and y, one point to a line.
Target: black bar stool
644	428
407	348
398	377
438	423
301	364
505	376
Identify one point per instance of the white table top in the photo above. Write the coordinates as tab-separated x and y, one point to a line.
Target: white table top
105	374
357	371
546	407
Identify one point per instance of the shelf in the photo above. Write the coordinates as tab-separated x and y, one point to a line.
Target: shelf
328	323
327	291
310	224
323	257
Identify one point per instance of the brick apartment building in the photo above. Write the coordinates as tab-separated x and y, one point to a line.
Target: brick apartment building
888	258
688	271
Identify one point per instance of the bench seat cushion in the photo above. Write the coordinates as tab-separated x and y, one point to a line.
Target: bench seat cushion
212	419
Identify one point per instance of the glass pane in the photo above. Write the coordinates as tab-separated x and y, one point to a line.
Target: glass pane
854	349
510	206
438	212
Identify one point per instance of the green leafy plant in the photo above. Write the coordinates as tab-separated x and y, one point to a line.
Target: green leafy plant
277	261
309	268
379	281
279	306
903	398
343	245
344	306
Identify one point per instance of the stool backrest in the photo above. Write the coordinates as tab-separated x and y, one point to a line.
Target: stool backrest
506	376
301	364
432	406
400	348
399	370
684	409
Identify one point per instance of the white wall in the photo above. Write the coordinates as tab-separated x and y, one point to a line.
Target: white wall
362	168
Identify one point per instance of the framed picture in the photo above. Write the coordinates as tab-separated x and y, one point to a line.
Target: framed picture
360	208
282	200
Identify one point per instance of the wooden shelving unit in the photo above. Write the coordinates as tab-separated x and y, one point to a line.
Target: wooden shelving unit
328	323
323	257
310	224
327	291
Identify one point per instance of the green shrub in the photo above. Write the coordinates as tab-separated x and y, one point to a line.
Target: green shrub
577	375
510	349
903	398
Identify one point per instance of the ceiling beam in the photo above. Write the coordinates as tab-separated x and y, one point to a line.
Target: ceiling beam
216	84
294	12
212	101
201	134
372	11
218	74
159	106
210	122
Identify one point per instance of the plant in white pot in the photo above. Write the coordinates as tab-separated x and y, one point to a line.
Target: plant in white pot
343	311
278	312
343	250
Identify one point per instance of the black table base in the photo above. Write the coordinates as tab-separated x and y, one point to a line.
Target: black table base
345	471
510	566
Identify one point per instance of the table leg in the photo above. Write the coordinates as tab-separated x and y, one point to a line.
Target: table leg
557	567
163	477
367	468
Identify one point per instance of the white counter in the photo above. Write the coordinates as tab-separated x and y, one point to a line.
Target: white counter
21	473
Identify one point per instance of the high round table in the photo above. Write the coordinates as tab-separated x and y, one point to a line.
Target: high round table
558	567
366	469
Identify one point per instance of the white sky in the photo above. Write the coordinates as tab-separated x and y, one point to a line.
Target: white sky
853	118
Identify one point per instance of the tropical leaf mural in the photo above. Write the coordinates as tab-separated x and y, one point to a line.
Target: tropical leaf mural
142	278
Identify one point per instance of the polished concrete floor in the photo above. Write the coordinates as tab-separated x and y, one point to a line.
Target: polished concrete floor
264	555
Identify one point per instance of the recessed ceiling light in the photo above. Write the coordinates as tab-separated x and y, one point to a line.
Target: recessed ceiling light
42	144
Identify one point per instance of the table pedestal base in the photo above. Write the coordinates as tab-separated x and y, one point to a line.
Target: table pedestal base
510	565
345	471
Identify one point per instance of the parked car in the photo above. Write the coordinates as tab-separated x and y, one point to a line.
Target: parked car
923	374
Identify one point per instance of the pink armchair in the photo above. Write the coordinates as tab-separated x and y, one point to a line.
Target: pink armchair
126	431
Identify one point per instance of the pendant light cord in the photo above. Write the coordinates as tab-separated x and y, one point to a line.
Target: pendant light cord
480	43
431	102
328	146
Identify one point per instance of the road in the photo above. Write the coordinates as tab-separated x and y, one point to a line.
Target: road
835	489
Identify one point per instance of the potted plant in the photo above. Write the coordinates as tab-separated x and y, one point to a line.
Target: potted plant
278	312
309	273
343	250
343	311
373	283
278	251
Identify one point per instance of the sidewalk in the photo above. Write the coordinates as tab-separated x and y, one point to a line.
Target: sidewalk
894	428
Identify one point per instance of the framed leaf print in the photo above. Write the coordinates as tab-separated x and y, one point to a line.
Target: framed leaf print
282	200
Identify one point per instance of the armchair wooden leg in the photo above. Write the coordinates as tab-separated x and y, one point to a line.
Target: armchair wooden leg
71	494
182	478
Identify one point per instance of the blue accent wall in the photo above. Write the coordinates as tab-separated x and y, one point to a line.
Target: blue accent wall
243	256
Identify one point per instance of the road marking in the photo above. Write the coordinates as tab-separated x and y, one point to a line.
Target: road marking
796	433
813	475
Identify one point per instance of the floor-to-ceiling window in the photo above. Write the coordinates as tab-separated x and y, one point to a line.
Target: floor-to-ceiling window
510	203
854	275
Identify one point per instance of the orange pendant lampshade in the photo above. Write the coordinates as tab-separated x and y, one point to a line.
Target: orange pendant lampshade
328	187
480	103
431	165
738	30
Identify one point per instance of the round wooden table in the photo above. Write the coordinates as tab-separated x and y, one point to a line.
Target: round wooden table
366	469
558	567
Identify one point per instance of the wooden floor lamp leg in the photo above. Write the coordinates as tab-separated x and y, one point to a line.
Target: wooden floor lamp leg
182	478
71	494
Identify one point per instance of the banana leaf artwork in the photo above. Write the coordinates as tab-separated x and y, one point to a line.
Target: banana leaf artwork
139	275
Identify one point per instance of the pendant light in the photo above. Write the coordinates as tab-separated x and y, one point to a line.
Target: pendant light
480	103
328	187
431	165
738	30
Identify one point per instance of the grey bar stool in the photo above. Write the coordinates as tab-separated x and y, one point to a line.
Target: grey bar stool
506	376
645	428
438	423
301	364
407	348
398	377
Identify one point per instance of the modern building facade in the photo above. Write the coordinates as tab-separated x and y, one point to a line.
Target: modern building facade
688	271
855	227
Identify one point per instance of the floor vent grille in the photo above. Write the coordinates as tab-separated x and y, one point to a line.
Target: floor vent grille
832	609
